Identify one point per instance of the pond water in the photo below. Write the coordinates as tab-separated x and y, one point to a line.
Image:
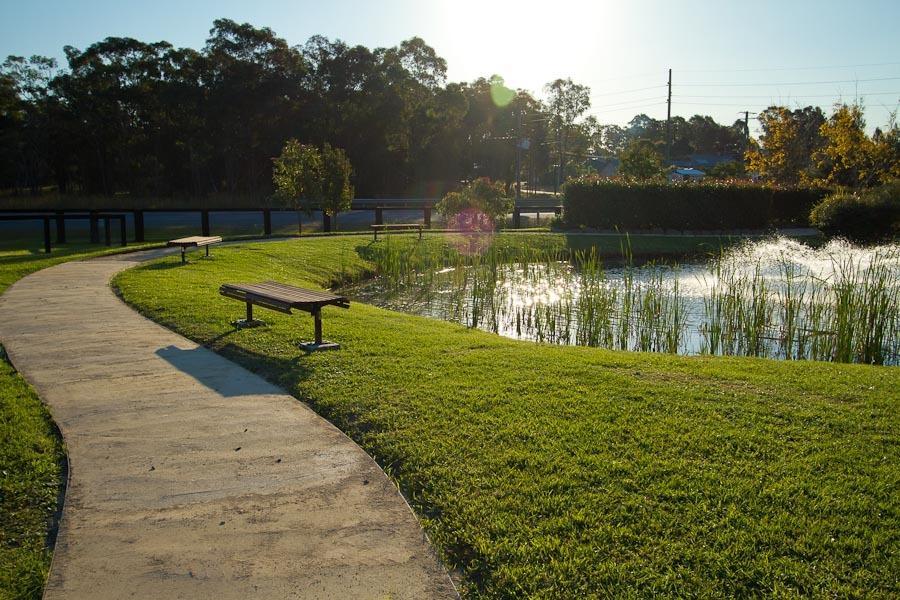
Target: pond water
775	298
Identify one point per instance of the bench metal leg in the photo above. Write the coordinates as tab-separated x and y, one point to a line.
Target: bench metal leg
47	235
207	250
317	316
249	312
182	256
318	344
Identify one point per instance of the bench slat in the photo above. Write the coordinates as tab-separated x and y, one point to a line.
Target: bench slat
195	240
282	296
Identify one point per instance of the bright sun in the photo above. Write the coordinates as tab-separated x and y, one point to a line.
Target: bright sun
527	43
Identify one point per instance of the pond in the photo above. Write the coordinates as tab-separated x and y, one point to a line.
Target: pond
776	298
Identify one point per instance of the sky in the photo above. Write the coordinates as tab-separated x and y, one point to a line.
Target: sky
726	56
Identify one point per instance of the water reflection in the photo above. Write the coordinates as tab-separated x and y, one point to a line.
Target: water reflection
776	298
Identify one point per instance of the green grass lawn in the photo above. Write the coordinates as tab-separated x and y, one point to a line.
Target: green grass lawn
31	452
562	472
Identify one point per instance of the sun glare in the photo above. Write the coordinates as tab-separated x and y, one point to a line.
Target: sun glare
515	40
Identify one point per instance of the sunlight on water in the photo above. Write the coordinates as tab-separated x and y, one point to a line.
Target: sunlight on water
776	298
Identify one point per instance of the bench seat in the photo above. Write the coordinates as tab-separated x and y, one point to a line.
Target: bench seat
282	298
194	241
385	227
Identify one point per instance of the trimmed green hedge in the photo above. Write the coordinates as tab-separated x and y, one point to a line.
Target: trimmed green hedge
607	204
866	216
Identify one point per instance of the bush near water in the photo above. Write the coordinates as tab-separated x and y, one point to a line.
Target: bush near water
863	216
596	203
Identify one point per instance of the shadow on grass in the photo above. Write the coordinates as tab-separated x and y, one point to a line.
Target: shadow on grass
165	265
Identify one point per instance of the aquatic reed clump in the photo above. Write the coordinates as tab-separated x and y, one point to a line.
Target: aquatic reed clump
773	299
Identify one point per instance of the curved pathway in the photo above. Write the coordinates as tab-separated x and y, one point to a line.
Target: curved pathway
190	477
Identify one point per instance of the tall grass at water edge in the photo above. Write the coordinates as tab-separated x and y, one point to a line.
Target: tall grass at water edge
788	301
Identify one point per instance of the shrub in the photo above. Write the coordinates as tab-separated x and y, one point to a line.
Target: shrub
864	216
482	200
607	204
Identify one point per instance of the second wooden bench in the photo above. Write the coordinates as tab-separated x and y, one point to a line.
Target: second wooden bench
397	227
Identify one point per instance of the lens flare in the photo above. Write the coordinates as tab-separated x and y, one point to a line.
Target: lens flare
476	229
500	94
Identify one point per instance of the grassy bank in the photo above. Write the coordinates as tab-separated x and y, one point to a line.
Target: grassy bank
31	452
574	472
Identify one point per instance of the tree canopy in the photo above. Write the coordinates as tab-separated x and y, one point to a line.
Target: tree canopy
149	119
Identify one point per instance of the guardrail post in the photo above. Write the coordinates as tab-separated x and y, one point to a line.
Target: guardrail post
106	232
326	221
95	227
204	222
47	235
60	227
139	226
267	222
379	215
427	211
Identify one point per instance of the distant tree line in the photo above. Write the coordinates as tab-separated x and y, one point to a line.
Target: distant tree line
152	120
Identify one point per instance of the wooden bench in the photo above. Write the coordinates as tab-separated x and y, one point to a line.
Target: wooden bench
397	227
282	298
194	241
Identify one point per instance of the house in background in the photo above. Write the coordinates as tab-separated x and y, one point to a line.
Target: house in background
686	174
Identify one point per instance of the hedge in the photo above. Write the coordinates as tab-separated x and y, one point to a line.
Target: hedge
607	204
865	216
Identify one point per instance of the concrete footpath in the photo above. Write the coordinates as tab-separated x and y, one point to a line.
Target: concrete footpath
190	477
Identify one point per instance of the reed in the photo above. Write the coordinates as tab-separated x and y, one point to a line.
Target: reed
552	295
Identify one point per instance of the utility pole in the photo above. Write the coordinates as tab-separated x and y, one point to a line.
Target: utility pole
746	130
669	122
518	155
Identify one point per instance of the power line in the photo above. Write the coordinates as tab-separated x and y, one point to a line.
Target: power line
612	110
798	96
714	84
634	101
652	87
820	68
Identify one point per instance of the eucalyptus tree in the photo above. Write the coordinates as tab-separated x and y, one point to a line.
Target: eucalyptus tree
567	101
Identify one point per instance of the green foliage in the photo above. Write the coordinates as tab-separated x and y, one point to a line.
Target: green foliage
727	170
848	157
866	216
641	161
482	195
297	175
567	102
311	178
560	472
788	141
608	204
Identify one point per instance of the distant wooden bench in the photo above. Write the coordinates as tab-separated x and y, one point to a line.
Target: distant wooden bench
397	227
195	241
282	298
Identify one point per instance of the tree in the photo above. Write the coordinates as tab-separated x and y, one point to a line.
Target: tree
336	191
641	160
785	149
567	101
309	178
297	175
480	205
849	158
